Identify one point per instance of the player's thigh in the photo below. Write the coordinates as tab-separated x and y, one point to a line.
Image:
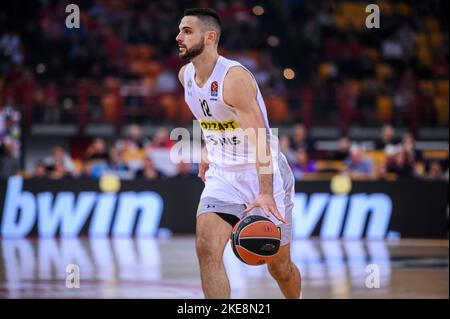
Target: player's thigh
212	234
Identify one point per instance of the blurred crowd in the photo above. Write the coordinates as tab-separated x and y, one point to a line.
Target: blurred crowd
387	158
134	156
122	63
316	62
397	73
124	55
10	143
139	156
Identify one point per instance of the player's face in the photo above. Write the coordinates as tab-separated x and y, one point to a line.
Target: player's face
190	39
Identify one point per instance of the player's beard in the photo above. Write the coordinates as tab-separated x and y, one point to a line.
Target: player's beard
194	51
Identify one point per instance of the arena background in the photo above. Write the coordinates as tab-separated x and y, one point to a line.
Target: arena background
85	120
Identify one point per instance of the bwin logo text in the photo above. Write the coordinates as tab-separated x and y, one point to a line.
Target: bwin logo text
69	213
308	211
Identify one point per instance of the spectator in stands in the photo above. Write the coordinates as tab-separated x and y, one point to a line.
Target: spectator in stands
10	129
300	139
343	151
98	157
98	169
59	171
134	139
86	170
409	148
9	165
435	171
403	99
118	164
40	170
148	171
419	170
97	151
387	142
400	164
185	171
159	151
285	148
161	139
303	165
358	166
57	159
132	148
11	47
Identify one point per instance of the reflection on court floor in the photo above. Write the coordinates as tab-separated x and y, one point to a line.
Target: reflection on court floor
168	268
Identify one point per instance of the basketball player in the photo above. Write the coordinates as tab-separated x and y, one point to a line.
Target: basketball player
225	98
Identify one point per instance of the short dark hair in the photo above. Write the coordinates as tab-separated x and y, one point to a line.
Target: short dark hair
208	17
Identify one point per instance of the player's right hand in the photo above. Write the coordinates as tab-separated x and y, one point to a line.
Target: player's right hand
202	170
268	205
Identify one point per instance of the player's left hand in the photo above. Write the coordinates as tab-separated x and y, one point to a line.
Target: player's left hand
268	205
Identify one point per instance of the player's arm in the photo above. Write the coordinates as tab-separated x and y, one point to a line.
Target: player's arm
181	75
239	91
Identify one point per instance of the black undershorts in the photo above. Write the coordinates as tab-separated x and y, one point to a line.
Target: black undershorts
229	218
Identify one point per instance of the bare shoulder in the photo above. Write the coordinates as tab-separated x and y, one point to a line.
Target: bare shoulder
238	84
181	74
237	74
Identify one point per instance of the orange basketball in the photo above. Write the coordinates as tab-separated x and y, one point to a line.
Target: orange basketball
255	240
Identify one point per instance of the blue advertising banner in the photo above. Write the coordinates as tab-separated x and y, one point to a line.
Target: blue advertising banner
69	208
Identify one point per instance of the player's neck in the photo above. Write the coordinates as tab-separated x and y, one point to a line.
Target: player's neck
204	65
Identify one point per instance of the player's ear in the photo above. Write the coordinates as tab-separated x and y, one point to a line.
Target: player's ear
211	37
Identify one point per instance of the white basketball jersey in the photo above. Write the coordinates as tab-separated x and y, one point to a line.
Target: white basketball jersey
225	140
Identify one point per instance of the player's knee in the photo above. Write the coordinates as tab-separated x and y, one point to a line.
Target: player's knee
207	249
281	271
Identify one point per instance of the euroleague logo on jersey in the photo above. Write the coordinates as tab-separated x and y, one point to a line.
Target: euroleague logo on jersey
214	88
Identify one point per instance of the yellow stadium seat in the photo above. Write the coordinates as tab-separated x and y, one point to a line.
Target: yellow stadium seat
385	7
442	109
432	24
325	70
356	86
170	106
424	56
130	155
329	165
145	52
384	108
138	67
383	70
277	108
435	155
404	9
373	54
152	69
149	83
339	21
443	88
110	107
436	38
427	86
378	159
422	40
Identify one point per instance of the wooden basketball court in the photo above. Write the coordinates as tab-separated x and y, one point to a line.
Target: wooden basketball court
168	268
